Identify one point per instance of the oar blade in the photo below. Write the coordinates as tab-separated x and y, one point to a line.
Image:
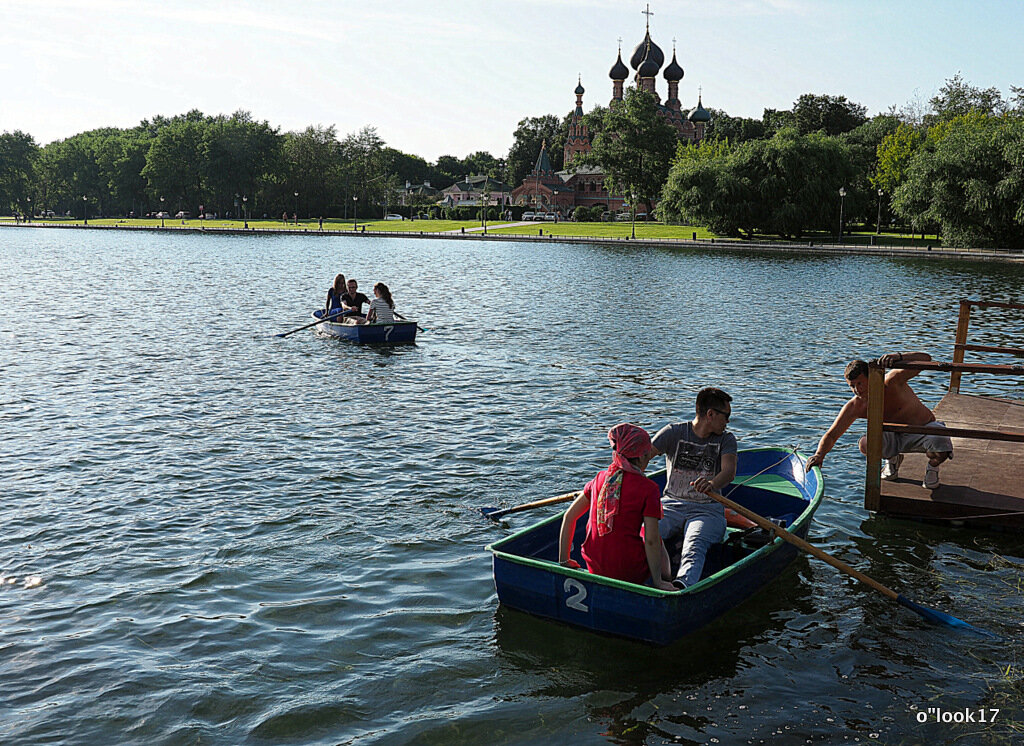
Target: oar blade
935	616
492	513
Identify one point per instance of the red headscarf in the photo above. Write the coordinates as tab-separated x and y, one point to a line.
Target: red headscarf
628	441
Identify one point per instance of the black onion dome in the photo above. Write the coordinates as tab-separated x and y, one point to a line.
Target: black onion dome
619	71
647	49
579	88
648	68
700	114
673	73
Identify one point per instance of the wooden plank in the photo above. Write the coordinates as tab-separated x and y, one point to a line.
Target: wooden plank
993	304
936	366
987	348
963	320
876	408
955	432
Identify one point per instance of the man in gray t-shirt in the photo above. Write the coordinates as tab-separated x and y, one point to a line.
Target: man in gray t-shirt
700	457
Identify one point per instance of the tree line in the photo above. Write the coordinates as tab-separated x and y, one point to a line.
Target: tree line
952	165
229	165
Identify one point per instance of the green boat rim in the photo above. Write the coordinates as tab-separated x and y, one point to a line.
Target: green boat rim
646	590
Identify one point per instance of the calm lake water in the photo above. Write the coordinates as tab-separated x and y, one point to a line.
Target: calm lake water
216	536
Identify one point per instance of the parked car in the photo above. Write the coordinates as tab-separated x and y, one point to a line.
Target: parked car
550	216
162	215
528	215
624	217
393	216
538	216
641	216
48	213
183	214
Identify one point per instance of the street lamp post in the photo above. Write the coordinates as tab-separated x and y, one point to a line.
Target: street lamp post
85	203
632	210
161	212
355	210
245	212
296	209
842	203
28	217
878	221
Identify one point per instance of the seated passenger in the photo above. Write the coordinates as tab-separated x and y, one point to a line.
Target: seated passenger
620	502
353	300
700	457
334	296
382	307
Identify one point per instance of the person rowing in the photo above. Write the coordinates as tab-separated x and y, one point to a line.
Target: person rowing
353	300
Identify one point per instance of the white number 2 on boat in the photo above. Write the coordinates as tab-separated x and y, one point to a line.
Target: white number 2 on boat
576	594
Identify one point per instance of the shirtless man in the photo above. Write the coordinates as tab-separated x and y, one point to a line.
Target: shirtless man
902	407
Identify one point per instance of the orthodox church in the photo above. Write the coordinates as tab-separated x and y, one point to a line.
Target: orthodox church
563	191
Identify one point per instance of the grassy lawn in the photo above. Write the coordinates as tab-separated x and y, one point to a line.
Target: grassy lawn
649	230
609	230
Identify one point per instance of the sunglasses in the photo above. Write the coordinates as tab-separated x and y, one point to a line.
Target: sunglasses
726	415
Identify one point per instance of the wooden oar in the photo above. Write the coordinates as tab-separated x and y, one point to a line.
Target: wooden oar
400	316
930	615
494	513
336	315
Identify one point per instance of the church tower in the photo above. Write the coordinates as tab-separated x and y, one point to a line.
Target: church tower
579	138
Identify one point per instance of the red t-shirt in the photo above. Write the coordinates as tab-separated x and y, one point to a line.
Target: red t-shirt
620	553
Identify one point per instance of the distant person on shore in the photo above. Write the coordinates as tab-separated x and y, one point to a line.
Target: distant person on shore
700	457
335	294
353	300
619	502
320	223
901	407
382	307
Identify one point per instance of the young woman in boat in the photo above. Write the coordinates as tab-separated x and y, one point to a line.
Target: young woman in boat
334	296
382	307
620	501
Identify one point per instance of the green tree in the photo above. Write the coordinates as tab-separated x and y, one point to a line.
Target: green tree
733	129
785	185
313	168
894	155
530	134
958	97
635	150
832	115
969	183
18	152
175	164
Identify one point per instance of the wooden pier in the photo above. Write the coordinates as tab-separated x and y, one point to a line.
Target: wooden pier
983	485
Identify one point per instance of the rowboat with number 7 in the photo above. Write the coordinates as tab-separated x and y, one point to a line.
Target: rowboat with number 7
769	481
394	332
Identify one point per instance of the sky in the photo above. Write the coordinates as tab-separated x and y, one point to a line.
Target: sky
436	77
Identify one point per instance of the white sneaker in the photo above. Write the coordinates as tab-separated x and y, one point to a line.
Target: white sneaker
931	477
891	468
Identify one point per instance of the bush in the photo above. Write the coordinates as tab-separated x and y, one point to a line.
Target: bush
581	214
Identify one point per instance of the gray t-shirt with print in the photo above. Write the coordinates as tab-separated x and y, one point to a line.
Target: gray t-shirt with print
688	456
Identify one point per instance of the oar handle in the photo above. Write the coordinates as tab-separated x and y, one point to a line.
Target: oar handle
796	541
326	317
495	514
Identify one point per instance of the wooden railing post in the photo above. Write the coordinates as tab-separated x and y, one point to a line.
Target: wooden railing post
962	323
876	410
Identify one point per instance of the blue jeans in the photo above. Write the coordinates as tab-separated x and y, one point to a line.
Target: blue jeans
701	524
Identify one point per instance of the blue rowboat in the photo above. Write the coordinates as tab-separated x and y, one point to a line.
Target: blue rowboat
395	332
769	481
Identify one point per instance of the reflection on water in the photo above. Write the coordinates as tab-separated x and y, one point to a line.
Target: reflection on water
217	535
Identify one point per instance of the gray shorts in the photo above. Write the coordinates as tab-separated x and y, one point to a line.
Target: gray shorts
895	443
